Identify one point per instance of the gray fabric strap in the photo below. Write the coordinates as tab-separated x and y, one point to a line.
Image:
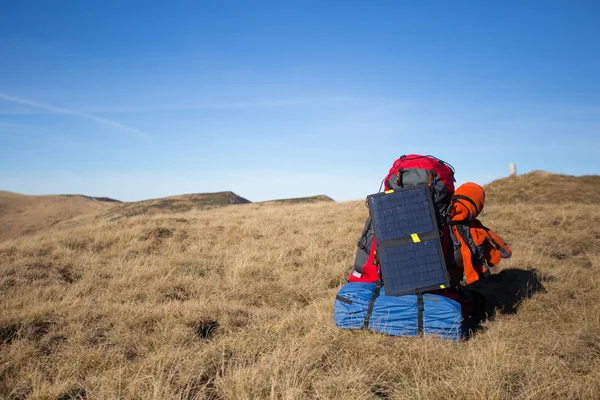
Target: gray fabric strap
343	299
407	240
374	296
420	309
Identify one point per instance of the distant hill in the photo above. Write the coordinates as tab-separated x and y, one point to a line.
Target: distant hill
544	187
106	199
21	214
311	199
179	203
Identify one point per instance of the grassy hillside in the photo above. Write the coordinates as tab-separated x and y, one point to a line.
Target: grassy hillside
236	303
24	215
106	199
297	200
21	214
180	203
544	188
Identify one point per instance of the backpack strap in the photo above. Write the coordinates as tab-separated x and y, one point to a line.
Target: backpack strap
420	309
458	198
374	296
470	200
497	243
399	176
364	247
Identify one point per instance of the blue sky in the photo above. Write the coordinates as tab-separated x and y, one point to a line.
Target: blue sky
274	99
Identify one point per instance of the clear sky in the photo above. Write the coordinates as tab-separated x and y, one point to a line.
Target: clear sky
273	99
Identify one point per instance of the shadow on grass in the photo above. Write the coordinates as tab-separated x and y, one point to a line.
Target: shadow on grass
503	293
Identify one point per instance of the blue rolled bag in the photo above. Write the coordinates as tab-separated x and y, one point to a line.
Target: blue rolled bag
360	305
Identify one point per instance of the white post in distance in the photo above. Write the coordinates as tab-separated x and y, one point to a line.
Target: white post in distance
512	169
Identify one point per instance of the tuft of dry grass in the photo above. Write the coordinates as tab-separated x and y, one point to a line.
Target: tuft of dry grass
237	303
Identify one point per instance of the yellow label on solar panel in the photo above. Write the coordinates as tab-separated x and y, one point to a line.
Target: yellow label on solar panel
442	287
389	191
415	238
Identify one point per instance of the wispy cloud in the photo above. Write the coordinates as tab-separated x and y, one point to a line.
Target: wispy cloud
61	110
208	105
216	105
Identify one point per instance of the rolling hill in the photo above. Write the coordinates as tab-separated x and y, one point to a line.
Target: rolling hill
22	214
296	200
179	203
544	188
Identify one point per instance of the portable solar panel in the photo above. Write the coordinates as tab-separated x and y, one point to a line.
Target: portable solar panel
408	241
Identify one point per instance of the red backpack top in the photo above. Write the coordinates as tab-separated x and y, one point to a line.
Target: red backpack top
408	170
413	169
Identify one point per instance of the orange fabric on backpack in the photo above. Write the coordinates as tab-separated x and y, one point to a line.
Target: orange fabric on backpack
466	204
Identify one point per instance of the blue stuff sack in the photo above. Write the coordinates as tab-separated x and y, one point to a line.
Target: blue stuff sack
397	315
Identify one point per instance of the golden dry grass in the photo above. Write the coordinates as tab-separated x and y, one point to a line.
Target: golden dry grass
21	214
236	303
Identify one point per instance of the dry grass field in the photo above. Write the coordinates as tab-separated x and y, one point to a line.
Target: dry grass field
237	303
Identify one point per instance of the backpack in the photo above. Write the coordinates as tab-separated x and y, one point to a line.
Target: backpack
408	170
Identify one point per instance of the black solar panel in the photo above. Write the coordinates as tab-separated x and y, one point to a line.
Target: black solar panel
408	244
